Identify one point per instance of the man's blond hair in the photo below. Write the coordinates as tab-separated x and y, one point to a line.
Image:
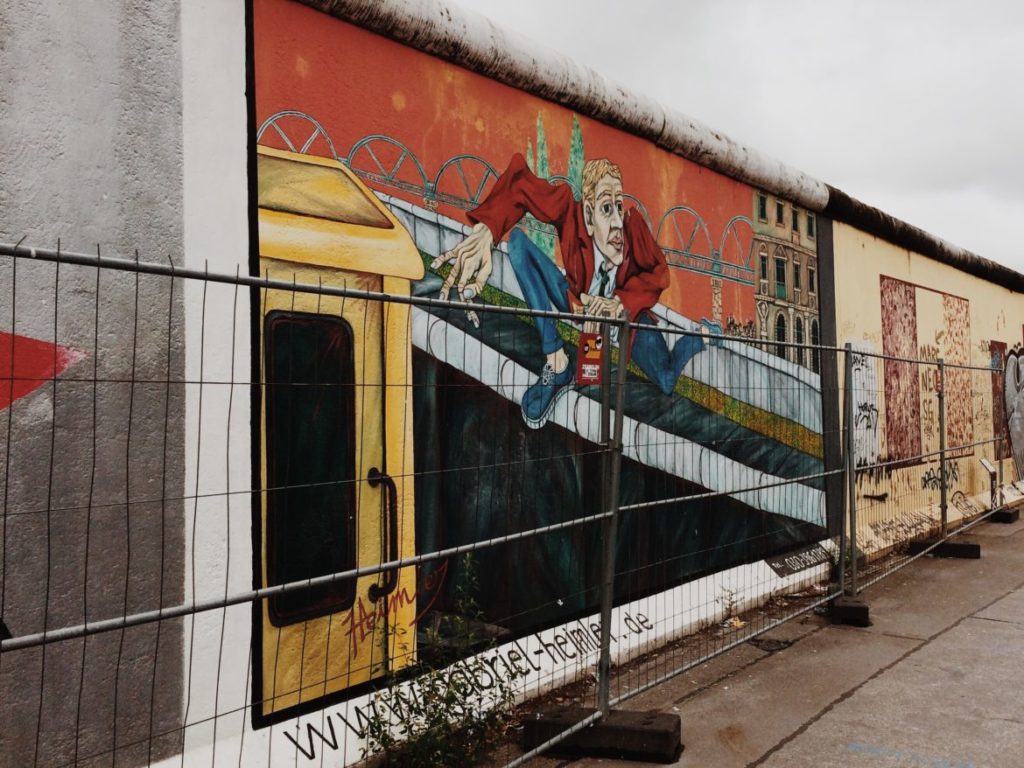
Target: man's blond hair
593	172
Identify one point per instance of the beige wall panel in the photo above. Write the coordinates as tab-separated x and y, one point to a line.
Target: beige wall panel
900	303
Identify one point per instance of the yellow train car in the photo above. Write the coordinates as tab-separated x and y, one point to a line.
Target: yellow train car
336	452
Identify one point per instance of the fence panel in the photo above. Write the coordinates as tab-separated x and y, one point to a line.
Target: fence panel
311	513
924	430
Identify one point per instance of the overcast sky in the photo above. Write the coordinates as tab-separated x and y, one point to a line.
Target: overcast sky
916	108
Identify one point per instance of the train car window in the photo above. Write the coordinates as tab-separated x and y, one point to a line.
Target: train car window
311	496
305	189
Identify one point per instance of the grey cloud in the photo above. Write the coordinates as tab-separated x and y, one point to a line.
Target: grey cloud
902	104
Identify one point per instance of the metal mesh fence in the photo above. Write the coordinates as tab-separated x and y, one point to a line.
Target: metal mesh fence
251	518
928	444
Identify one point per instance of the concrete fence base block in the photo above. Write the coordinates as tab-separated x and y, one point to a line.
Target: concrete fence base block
850	610
1005	515
653	737
960	549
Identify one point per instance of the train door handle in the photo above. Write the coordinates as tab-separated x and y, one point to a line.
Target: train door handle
375	478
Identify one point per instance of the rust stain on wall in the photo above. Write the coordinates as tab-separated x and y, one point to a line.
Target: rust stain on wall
902	390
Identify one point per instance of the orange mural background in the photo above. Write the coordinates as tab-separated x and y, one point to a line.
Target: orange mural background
356	83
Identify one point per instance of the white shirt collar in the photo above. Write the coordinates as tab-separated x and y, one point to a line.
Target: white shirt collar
610	269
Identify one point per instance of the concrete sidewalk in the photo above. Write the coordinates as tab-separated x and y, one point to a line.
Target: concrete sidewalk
937	681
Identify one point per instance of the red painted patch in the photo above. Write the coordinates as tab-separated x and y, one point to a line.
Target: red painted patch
26	364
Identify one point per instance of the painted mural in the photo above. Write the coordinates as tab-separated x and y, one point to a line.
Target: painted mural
922	324
785	252
999	362
425	180
386	431
1013	403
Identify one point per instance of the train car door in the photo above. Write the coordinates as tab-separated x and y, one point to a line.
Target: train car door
336	435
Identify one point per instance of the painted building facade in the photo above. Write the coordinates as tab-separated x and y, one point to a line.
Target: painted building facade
787	267
359	161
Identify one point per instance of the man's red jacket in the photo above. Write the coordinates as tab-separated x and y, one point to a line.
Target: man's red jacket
641	277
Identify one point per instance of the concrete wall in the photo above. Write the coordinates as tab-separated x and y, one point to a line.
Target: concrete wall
90	125
125	124
895	301
432	140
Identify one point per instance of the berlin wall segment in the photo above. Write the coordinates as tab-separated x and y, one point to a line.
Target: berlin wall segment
92	158
474	424
527	202
537	204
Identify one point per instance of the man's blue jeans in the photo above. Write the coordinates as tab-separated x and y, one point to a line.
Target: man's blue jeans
544	287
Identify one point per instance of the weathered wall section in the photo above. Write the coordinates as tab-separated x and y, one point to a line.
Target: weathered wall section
90	130
896	302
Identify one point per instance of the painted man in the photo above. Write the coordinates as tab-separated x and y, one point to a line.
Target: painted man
611	263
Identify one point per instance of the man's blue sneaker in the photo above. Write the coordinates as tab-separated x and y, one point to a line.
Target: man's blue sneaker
684	351
539	400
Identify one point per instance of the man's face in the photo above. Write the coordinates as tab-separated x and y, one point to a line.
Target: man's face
603	217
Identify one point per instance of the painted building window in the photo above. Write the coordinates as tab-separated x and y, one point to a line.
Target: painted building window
798	337
796	276
780	275
763	258
810	225
815	352
780	213
762	208
812	279
796	220
780	334
311	501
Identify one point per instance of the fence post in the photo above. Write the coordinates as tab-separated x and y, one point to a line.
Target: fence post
852	479
847	460
942	448
612	463
1000	514
943	546
848	608
999	487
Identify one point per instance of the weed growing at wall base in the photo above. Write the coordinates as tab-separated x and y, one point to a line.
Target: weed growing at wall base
444	717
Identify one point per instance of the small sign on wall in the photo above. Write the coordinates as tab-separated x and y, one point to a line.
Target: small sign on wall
799	560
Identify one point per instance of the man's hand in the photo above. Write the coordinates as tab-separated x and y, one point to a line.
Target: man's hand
600	307
471	263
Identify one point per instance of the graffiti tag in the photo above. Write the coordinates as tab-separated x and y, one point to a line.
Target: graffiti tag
867	416
932	479
966	505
